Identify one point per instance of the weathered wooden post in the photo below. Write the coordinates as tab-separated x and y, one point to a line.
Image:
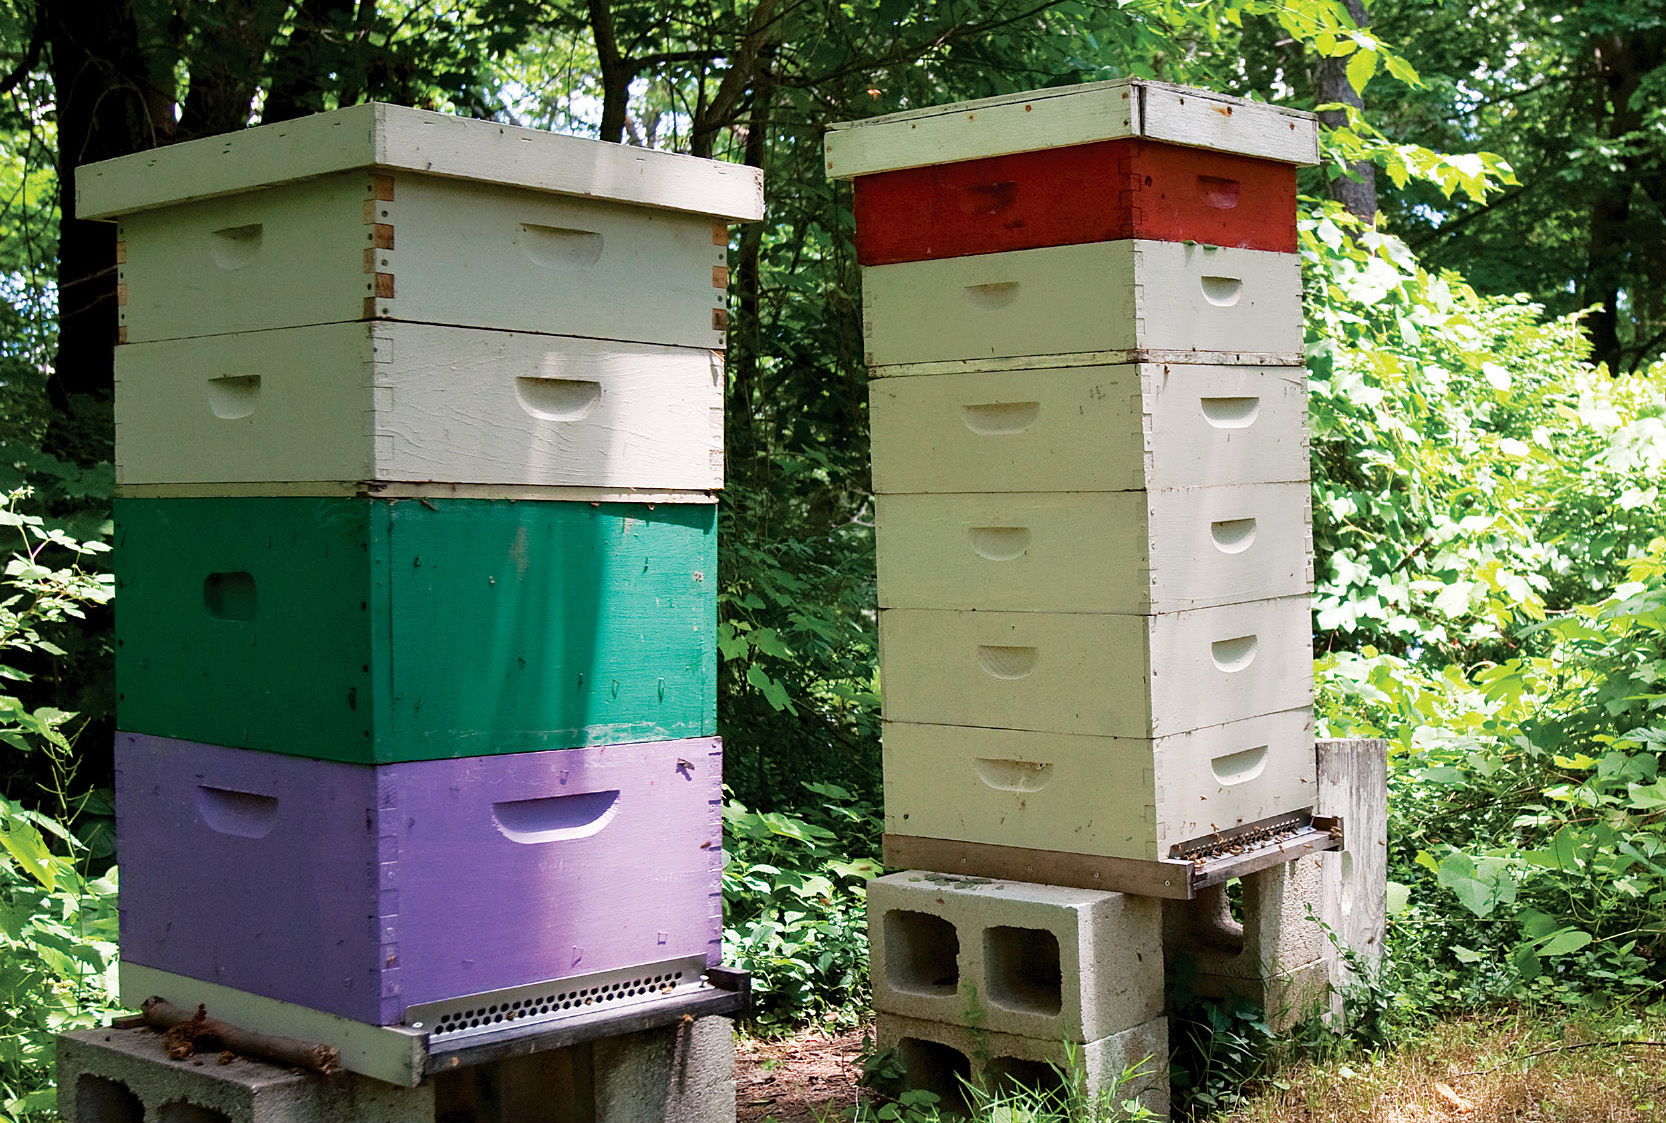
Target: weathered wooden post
419	425
1084	333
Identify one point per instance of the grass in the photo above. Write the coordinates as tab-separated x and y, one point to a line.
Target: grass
1510	1066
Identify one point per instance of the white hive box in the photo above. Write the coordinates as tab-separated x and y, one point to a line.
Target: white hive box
1132	298
1120	797
1130	552
1096	674
1068	115
1089	428
381	212
324	408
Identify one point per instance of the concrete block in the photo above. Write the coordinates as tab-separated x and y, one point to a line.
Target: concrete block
679	1074
1288	998
125	1076
1011	957
1353	784
938	1055
1280	930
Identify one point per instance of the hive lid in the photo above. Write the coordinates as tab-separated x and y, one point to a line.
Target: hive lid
1026	122
395	138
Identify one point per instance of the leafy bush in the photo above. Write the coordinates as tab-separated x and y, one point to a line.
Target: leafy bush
57	920
795	907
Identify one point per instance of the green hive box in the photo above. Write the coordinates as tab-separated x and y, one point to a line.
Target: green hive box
377	630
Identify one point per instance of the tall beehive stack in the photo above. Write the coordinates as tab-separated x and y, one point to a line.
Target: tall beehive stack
418	425
1084	330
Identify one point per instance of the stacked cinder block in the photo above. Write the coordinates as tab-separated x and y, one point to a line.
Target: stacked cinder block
1084	333
419	423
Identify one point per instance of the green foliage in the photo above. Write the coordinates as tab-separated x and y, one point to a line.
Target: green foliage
1064	1099
795	908
57	920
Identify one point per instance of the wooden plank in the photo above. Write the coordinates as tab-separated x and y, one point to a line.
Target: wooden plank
1127	188
1038	119
402	139
470	255
384	402
424	490
391	1053
258	869
1089	428
1102	296
1052	360
1204	119
1122	552
372	630
1096	674
1124	797
1170	880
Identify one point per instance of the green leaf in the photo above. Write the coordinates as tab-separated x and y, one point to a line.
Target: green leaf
1565	941
1361	65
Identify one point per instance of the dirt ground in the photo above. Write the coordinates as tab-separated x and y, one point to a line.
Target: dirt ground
805	1078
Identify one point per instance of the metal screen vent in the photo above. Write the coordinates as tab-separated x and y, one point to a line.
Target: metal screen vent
556	1000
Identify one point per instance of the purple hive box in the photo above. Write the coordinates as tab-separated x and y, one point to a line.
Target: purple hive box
361	890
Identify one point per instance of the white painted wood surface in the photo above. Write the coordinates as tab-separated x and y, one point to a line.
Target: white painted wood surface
1037	119
1097	674
1135	552
1094	428
413	140
1122	797
354	402
473	255
1098	296
1120	357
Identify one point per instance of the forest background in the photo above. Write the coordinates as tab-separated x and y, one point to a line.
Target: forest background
1485	260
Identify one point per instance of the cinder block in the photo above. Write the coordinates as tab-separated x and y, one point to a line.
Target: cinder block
125	1076
938	1055
1281	931
1287	998
1011	957
679	1074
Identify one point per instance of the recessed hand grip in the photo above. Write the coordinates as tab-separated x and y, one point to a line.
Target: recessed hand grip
1230	413
557	818
999	543
1014	775
1007	662
1240	767
1234	654
1222	292
997	418
987	198
559	246
230	596
994	296
558	399
1222	194
243	814
1232	536
231	396
235	246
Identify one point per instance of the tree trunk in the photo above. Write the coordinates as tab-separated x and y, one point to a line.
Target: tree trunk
1357	190
1621	64
617	72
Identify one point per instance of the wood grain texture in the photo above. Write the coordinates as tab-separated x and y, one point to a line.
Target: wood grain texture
414	140
258	870
1037	119
1091	428
1123	797
1114	189
1102	296
470	255
372	631
399	402
1096	674
1163	879
1134	552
